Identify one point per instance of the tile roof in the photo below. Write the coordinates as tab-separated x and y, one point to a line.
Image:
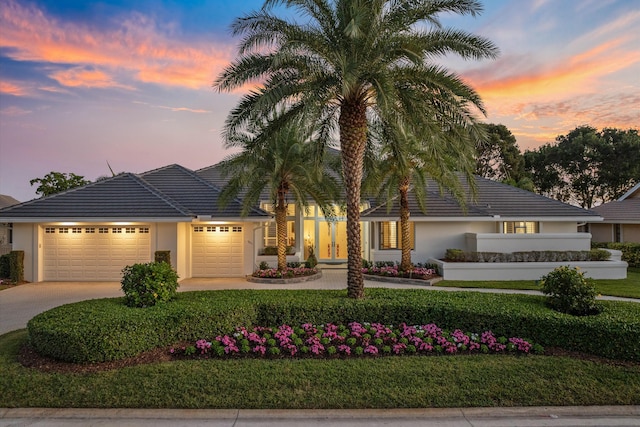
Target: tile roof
172	192
175	192
492	199
625	211
190	189
7	201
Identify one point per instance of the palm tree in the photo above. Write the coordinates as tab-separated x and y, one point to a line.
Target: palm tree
402	162
282	163
347	61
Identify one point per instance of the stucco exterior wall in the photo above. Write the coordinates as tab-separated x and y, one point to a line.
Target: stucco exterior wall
507	243
631	233
167	240
605	232
601	232
558	227
433	239
25	239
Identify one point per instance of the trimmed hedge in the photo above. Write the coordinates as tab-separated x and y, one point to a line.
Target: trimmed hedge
16	266
630	251
5	270
103	330
458	255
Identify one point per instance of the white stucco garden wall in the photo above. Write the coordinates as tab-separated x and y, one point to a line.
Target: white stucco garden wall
507	243
471	271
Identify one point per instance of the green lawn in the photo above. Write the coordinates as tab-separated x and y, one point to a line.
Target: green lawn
387	382
629	287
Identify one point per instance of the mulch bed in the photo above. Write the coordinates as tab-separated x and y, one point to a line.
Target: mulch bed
29	358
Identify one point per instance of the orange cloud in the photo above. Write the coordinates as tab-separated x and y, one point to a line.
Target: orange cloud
573	75
136	46
14	89
77	77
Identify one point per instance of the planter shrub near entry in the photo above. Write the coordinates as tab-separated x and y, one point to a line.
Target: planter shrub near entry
144	285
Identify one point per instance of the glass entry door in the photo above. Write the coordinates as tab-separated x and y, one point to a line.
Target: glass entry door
332	241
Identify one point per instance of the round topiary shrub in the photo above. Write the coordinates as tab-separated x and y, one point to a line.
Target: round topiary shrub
569	291
144	285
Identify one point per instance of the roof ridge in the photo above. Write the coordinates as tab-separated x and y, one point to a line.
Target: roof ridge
67	191
256	210
529	193
156	192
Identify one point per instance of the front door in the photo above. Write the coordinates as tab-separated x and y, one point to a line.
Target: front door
332	241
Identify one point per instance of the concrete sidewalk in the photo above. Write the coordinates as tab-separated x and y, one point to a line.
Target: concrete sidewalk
455	417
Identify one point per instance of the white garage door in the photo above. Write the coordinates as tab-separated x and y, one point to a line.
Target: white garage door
93	253
218	251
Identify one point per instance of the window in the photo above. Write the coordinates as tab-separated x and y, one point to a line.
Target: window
270	236
224	229
63	230
198	229
236	229
143	230
520	227
617	233
90	230
49	230
391	238
76	230
103	230
211	229
130	230
116	230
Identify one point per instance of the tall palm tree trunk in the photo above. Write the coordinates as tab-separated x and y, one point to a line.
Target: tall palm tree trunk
281	230
353	138
405	229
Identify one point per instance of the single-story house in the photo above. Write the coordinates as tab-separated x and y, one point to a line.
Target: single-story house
621	219
6	231
90	233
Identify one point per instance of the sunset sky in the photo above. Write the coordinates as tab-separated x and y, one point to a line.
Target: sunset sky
128	82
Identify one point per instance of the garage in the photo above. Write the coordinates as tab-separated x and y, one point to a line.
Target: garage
218	251
93	253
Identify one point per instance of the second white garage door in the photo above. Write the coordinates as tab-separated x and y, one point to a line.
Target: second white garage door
218	251
93	253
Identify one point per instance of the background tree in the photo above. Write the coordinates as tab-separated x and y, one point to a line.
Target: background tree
499	158
286	166
56	182
345	61
620	162
587	167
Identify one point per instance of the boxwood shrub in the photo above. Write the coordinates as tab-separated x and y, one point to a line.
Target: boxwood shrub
103	330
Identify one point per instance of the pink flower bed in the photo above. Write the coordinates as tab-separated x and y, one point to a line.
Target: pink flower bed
274	273
354	339
393	271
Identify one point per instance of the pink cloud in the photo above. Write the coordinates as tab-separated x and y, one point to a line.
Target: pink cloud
15	89
14	111
575	74
80	76
135	45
